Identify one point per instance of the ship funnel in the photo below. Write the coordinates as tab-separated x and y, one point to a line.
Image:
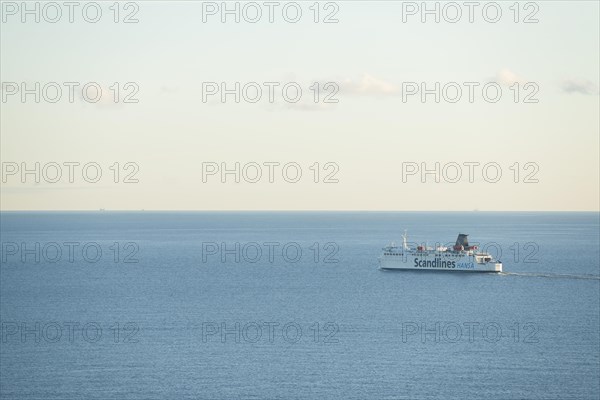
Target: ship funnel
462	240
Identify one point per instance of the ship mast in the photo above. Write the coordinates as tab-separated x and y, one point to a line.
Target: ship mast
404	245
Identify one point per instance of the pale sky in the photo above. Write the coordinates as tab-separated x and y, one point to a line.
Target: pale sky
368	134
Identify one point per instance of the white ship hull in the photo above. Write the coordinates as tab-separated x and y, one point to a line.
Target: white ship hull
438	263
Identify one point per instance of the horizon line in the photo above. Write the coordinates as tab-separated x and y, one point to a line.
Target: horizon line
324	210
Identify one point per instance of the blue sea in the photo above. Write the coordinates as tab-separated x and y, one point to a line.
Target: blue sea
291	305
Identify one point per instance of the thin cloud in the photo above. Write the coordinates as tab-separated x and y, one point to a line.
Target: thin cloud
507	77
580	86
103	99
168	89
309	106
302	105
368	85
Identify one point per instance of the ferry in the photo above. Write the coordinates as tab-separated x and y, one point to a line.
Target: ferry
460	257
